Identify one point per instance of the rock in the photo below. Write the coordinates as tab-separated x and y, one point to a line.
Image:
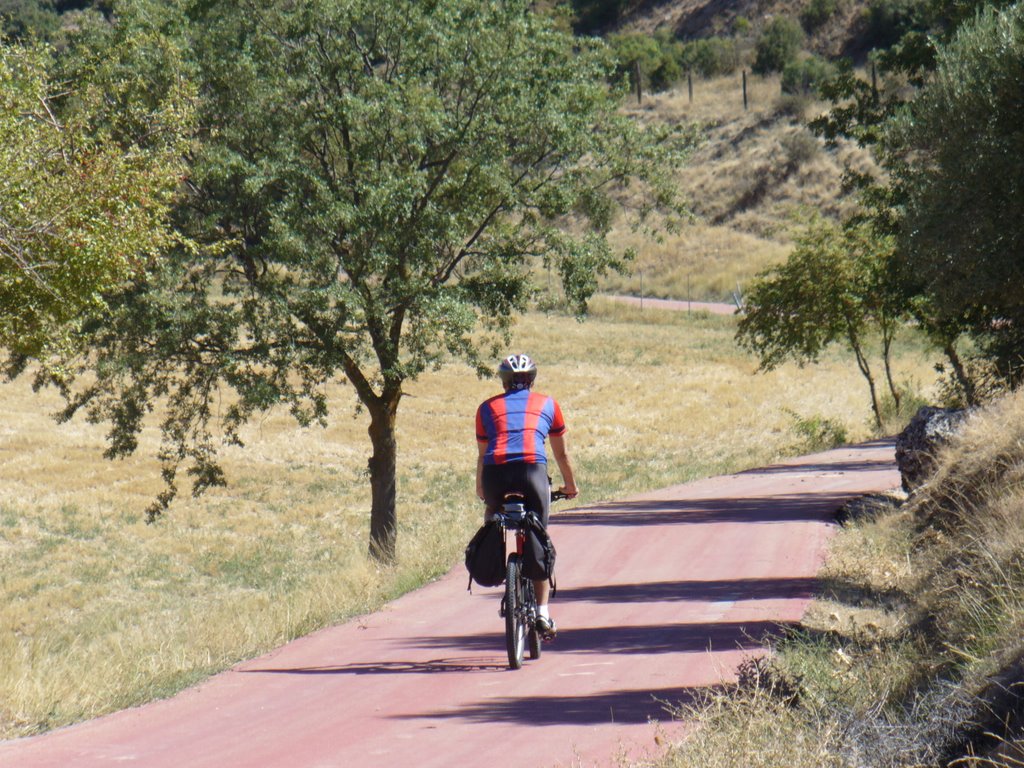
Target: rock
918	444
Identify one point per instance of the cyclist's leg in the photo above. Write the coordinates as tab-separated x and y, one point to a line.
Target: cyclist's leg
496	484
537	488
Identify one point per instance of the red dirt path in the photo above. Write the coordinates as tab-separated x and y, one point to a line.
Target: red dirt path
660	594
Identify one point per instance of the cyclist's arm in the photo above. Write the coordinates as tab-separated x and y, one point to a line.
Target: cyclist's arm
482	447
564	465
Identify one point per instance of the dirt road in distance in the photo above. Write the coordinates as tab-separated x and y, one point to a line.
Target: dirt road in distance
679	305
659	596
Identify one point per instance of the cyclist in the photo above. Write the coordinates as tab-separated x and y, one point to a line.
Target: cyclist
510	430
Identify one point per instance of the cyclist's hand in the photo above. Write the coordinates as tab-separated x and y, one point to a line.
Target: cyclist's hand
569	491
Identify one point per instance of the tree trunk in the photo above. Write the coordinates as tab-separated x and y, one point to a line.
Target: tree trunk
865	369
383	471
960	372
887	339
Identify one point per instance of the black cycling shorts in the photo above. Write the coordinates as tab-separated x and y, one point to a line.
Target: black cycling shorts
531	480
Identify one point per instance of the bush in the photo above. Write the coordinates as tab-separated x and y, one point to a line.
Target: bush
817	13
806	75
633	49
778	45
817	433
888	21
710	56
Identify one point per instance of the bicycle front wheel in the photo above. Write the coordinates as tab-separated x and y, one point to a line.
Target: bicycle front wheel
515	619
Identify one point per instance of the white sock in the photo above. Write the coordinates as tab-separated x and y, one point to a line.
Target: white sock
542	610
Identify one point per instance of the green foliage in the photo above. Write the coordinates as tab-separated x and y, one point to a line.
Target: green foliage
23	19
887	21
833	287
377	187
634	49
43	19
818	433
956	153
710	56
806	75
86	191
595	16
817	13
778	45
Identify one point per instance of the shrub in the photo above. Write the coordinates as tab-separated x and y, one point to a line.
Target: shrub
778	45
632	49
818	432
888	21
806	75
817	13
710	56
800	148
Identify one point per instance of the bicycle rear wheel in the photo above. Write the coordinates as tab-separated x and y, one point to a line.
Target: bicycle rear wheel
515	619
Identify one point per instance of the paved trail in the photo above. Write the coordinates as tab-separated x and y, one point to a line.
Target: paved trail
659	595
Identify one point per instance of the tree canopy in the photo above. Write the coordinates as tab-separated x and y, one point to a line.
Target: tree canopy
378	183
84	195
960	174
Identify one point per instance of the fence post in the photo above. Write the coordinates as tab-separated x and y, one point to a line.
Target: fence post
639	85
689	84
744	90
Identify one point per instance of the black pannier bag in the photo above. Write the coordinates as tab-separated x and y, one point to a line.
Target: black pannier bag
538	552
485	556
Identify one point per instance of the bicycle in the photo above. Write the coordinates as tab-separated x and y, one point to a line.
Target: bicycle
519	603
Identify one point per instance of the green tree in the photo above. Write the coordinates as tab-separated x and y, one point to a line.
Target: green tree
778	45
834	287
83	199
956	153
379	184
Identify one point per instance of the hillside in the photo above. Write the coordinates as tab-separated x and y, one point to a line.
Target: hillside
758	174
846	31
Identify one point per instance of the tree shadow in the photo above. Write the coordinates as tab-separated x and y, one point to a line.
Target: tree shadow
759	509
430	667
696	591
607	707
643	639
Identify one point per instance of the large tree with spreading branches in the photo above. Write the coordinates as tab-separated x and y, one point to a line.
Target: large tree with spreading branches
379	183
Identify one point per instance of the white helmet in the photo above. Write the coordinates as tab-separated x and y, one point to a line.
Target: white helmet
517	372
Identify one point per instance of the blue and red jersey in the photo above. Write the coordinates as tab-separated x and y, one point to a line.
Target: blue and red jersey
515	425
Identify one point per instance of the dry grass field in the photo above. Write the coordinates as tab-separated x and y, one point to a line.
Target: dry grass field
103	611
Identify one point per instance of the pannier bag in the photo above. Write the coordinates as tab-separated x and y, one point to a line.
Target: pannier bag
485	556
538	552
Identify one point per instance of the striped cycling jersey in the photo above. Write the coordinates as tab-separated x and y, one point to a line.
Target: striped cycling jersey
514	426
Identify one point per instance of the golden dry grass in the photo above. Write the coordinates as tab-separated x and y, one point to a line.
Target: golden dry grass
105	611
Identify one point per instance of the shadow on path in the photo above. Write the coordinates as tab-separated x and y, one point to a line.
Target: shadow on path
644	639
696	591
430	667
760	509
607	707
